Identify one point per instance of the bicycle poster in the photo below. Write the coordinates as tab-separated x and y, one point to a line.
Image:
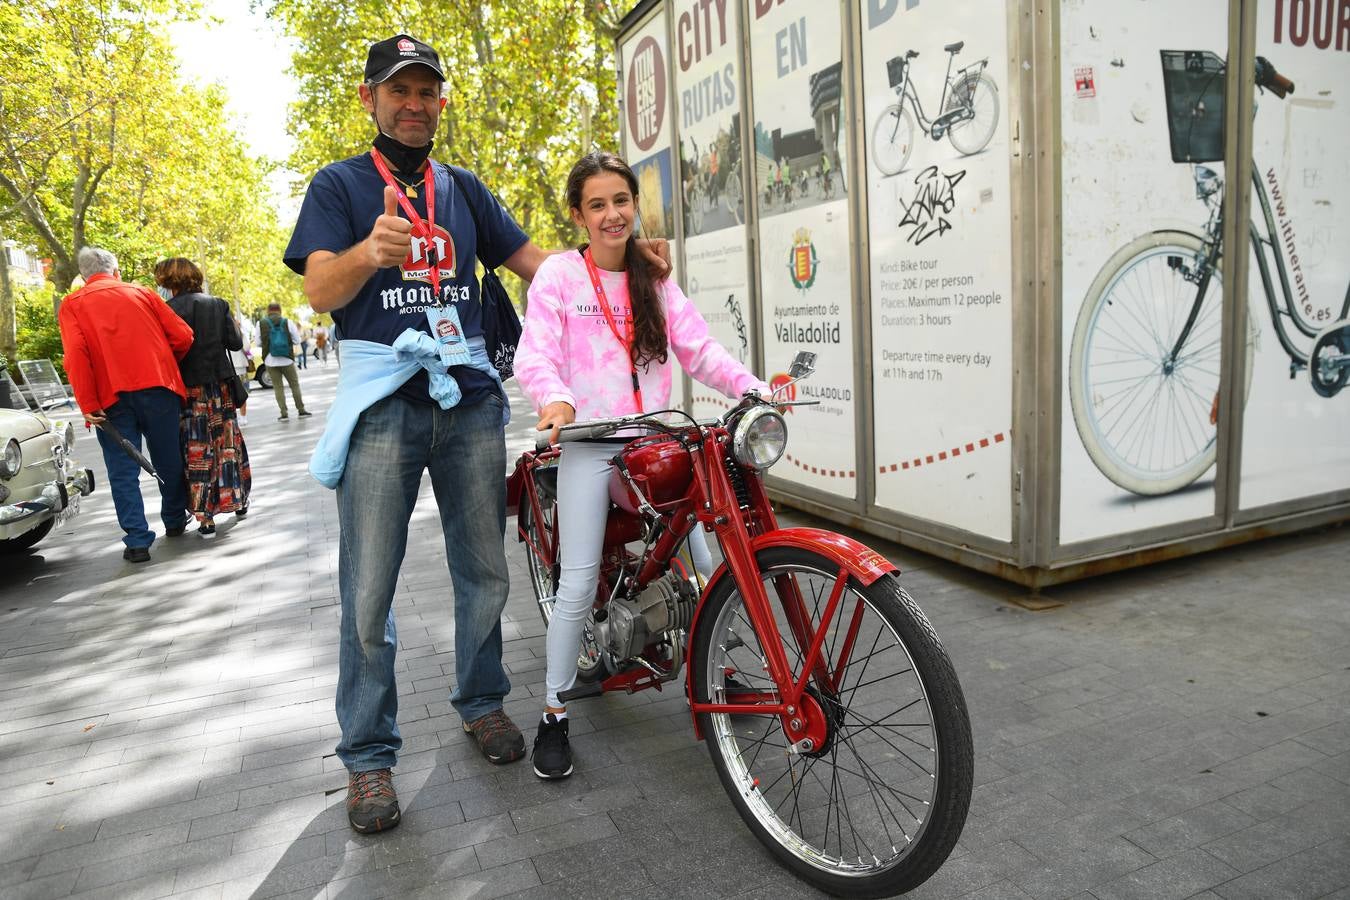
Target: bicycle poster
804	264
708	108
940	239
1136	453
646	127
1296	430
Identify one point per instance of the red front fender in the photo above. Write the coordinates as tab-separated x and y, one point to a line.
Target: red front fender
861	562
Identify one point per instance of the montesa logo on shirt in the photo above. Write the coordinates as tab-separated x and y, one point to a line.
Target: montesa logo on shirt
592	309
417	264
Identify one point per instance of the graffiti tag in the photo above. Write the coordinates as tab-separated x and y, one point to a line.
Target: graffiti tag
935	199
738	322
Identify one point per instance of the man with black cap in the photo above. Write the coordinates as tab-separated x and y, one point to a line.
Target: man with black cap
417	392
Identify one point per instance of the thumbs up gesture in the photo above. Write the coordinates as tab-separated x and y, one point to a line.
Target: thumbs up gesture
391	237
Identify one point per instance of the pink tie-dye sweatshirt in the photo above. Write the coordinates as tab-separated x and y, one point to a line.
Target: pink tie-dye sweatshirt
568	353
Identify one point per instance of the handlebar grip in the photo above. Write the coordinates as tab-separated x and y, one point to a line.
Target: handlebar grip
541	441
1280	85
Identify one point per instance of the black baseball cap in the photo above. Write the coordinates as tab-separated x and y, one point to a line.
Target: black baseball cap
398	52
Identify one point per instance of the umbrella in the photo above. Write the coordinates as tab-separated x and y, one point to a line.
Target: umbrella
130	449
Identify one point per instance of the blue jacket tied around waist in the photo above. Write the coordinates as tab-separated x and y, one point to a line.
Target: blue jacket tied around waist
369	373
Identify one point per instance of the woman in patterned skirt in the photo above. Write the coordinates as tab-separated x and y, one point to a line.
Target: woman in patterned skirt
218	475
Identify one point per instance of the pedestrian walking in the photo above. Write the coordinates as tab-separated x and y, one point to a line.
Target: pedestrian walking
122	345
279	337
219	478
409	402
303	359
321	344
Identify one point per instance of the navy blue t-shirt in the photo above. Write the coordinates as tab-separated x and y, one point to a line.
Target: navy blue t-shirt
340	208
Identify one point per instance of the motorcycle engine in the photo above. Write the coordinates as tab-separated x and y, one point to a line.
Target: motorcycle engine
665	605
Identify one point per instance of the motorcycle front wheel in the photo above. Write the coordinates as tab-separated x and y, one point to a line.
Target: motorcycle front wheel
878	806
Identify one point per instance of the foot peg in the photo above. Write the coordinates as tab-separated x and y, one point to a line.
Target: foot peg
581	691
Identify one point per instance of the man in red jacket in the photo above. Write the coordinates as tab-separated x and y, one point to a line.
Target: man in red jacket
122	345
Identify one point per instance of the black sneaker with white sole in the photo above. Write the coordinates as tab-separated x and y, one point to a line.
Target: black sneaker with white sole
552	756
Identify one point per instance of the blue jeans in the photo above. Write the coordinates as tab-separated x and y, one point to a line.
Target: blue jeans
152	413
465	450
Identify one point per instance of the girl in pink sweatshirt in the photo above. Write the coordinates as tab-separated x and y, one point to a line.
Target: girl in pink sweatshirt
599	339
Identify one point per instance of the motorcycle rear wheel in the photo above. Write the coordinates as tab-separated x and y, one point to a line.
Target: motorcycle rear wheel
538	534
876	810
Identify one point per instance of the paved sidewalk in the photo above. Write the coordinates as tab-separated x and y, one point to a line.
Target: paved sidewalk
168	729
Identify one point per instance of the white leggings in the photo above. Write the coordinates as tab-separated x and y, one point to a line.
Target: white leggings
583	506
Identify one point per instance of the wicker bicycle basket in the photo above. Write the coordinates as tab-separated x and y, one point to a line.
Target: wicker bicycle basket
1194	83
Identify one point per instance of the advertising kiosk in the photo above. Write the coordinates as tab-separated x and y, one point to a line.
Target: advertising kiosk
1008	230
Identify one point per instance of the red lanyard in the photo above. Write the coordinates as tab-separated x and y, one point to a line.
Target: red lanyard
421	228
625	340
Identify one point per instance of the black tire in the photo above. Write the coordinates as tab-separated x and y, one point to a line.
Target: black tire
543	578
924	777
24	541
544	583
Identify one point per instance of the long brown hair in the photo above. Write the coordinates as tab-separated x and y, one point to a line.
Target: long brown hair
650	343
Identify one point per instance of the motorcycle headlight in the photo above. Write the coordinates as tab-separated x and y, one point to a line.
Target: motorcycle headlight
12	460
68	436
760	438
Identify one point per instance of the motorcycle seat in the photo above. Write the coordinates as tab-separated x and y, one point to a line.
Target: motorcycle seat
954	48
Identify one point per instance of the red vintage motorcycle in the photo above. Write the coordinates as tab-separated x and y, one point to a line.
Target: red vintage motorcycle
832	712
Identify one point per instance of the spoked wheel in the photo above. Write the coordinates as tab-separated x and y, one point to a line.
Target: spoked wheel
695	211
731	196
893	139
1329	363
874	802
1147	419
981	95
541	550
541	558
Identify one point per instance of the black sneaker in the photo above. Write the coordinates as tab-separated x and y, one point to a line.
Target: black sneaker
175	530
136	554
372	804
497	736
241	512
207	531
305	412
552	755
283	417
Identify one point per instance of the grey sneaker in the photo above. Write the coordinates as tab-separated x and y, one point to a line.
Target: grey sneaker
372	804
498	737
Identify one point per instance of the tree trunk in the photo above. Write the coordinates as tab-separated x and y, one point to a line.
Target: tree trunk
9	342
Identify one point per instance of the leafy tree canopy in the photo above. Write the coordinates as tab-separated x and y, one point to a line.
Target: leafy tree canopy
530	88
102	142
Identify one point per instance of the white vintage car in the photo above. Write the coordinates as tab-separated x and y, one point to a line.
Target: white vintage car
40	484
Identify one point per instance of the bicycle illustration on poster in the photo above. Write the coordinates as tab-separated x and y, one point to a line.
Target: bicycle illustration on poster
968	111
1144	360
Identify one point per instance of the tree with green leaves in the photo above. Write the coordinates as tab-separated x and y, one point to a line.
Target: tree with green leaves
530	88
103	142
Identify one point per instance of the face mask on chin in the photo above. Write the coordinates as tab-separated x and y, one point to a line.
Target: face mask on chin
407	161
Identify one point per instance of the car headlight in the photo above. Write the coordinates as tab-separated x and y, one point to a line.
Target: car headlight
12	460
760	438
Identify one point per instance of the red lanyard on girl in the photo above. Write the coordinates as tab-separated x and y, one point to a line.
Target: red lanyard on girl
625	340
421	228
